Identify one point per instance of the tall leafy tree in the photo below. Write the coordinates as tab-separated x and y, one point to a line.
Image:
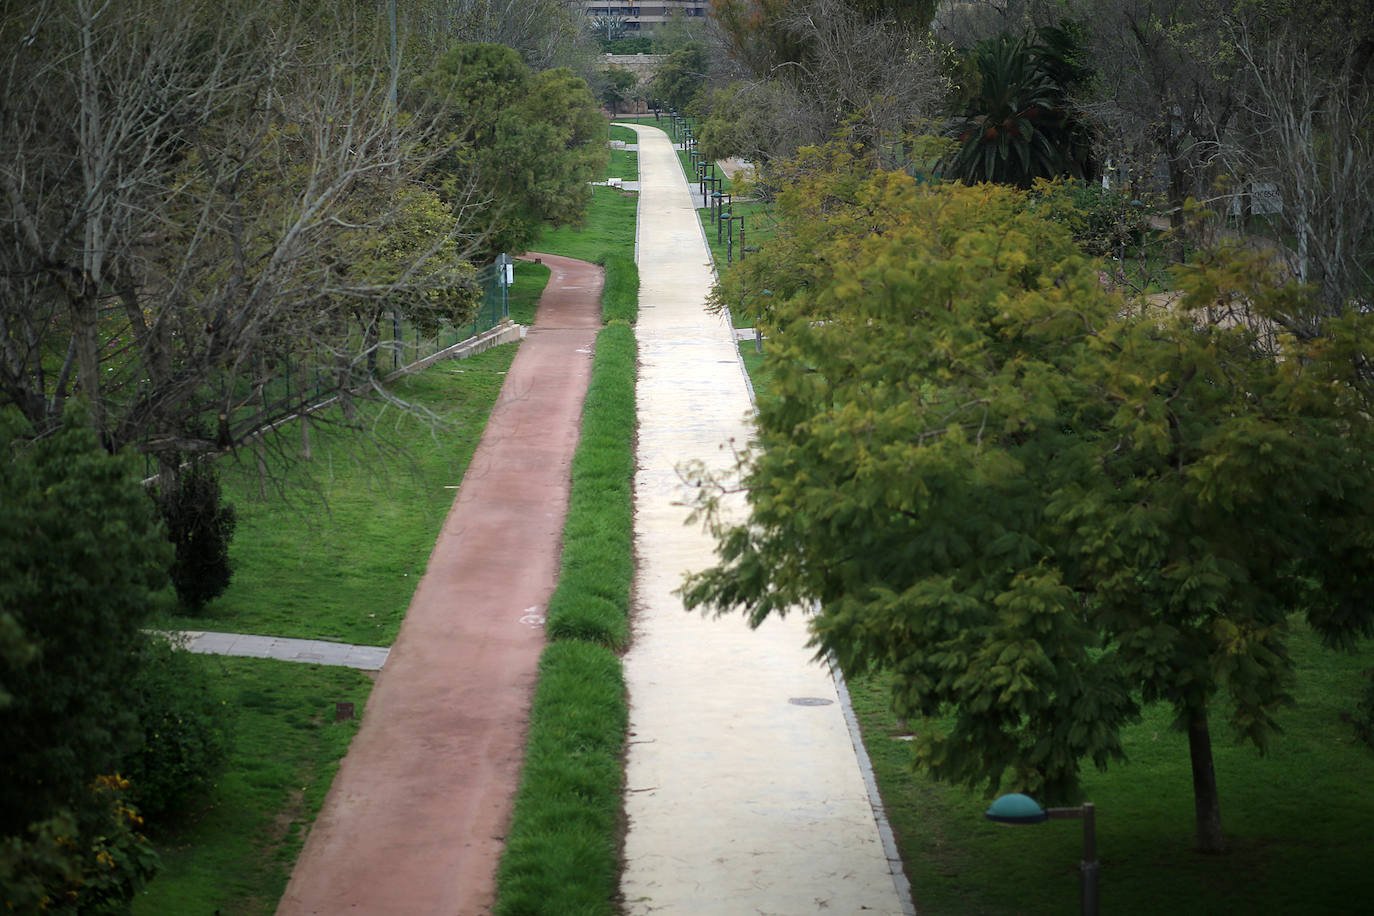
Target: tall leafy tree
532	141
82	561
1036	509
681	75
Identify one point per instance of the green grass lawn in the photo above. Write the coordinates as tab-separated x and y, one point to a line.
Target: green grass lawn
1297	820
231	852
339	556
624	164
753	224
609	227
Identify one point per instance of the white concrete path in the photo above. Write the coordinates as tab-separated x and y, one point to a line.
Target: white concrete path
313	651
745	794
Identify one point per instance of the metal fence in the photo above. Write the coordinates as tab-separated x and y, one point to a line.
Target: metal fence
295	380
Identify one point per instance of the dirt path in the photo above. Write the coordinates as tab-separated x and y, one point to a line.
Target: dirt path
415	818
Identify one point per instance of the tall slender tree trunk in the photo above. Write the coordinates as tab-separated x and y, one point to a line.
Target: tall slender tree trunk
86	338
1206	801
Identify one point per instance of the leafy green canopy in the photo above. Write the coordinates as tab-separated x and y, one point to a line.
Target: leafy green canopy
81	558
1036	510
681	75
1017	126
536	140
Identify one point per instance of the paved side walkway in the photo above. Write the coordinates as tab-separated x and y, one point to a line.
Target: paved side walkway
313	651
414	821
744	790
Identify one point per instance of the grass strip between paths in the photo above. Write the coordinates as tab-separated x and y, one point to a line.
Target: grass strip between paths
562	851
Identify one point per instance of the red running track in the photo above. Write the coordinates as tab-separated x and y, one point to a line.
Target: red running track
414	822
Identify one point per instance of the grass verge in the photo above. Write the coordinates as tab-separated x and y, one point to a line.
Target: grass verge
231	851
1296	820
340	556
562	848
530	280
608	229
624	164
561	856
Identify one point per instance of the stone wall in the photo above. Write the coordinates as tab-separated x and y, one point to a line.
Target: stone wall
643	66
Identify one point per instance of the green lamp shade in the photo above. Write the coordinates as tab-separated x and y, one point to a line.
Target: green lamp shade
1016	809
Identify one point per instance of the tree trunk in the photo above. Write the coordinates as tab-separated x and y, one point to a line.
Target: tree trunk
1178	196
85	314
1206	801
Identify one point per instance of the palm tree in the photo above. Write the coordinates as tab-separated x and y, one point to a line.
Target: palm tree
1017	127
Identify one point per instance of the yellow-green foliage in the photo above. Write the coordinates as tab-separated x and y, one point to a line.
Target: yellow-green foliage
1040	509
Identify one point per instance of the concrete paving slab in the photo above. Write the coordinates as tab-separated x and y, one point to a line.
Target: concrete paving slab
744	790
313	651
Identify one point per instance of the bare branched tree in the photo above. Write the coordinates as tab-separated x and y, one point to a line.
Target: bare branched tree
1167	93
547	33
195	207
1312	139
823	66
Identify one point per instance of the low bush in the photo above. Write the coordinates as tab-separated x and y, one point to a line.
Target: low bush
186	730
200	526
1102	221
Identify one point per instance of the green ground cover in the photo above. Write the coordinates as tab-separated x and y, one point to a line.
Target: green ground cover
232	850
529	282
752	225
609	227
332	548
562	847
624	164
1296	820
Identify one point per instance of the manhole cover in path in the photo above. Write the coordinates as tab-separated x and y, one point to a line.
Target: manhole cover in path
810	701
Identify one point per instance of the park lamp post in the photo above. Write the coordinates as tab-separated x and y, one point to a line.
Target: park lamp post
729	219
1017	809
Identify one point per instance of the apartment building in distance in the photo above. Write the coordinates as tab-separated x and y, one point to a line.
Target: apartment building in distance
641	18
